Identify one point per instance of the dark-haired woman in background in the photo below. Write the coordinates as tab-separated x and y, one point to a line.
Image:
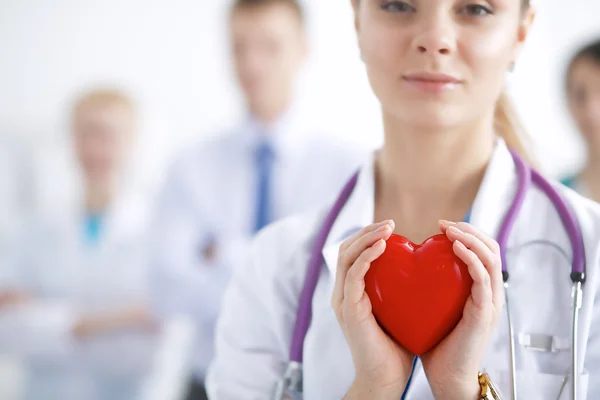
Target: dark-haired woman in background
583	94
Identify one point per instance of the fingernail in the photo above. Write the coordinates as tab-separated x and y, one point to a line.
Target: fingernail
383	223
455	230
447	223
460	245
382	228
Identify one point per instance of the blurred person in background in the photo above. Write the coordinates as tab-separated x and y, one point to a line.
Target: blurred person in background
16	190
219	194
78	314
583	95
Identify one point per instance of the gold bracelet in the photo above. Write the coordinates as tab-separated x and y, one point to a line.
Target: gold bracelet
488	389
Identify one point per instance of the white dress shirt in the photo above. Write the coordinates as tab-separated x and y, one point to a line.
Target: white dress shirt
210	198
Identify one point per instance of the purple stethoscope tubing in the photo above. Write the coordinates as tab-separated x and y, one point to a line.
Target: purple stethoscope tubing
525	177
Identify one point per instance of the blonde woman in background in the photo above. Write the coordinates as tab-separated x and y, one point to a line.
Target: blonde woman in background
82	324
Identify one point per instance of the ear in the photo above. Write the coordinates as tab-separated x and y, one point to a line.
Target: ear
523	31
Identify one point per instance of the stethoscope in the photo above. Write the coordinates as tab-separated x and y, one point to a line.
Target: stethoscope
290	386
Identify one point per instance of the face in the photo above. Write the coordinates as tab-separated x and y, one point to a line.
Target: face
584	98
102	136
439	63
268	50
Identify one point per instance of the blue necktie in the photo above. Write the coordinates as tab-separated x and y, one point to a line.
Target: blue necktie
264	165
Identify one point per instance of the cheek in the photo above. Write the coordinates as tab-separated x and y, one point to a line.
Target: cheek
487	56
384	53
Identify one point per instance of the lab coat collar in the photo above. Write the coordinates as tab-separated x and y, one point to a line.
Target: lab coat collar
125	219
493	200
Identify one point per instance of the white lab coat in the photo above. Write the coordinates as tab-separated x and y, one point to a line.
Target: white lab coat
71	278
15	193
255	328
210	196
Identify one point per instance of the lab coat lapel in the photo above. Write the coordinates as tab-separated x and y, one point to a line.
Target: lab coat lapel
493	200
358	212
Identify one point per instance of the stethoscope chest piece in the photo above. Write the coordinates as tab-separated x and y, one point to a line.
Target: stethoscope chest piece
290	387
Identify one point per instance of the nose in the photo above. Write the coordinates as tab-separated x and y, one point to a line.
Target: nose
435	35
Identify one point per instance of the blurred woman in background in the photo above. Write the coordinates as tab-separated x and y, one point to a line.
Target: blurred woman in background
81	324
583	94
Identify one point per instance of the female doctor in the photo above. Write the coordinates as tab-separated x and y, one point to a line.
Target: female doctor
438	70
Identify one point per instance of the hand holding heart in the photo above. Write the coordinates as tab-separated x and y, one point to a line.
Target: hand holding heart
382	365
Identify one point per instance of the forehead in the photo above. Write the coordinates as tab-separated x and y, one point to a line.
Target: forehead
585	70
275	17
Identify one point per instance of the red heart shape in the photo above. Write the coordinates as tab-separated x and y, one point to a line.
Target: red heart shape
418	292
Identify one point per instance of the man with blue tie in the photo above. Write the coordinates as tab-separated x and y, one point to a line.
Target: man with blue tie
219	195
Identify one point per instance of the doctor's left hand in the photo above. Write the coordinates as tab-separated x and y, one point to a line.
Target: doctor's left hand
452	366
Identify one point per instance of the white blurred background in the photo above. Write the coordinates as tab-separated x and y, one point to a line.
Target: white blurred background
173	57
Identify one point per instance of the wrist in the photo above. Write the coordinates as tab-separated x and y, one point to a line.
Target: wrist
369	389
466	389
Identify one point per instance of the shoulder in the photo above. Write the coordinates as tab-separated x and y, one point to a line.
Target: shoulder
198	160
588	215
327	146
569	181
132	214
205	152
280	253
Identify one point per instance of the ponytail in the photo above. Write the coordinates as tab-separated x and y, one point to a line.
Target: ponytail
509	127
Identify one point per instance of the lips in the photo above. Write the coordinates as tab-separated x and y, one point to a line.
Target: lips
431	82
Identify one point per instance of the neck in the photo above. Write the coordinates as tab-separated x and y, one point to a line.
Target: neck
423	176
593	160
269	111
590	175
98	196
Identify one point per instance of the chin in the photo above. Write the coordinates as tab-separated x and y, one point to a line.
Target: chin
428	116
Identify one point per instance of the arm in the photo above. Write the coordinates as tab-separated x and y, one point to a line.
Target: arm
12	297
255	325
29	326
135	316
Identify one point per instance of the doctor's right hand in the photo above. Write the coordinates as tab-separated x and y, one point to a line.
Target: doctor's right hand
382	366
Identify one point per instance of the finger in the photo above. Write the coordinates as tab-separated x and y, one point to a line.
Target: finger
444	225
473	230
491	261
350	255
481	291
346	260
369	228
354	286
473	243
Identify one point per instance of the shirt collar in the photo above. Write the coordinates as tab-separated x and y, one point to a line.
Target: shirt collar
493	199
284	133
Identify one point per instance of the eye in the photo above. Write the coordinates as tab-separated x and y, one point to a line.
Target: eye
476	10
397	7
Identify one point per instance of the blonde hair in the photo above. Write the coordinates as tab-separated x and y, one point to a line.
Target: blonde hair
103	97
509	127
